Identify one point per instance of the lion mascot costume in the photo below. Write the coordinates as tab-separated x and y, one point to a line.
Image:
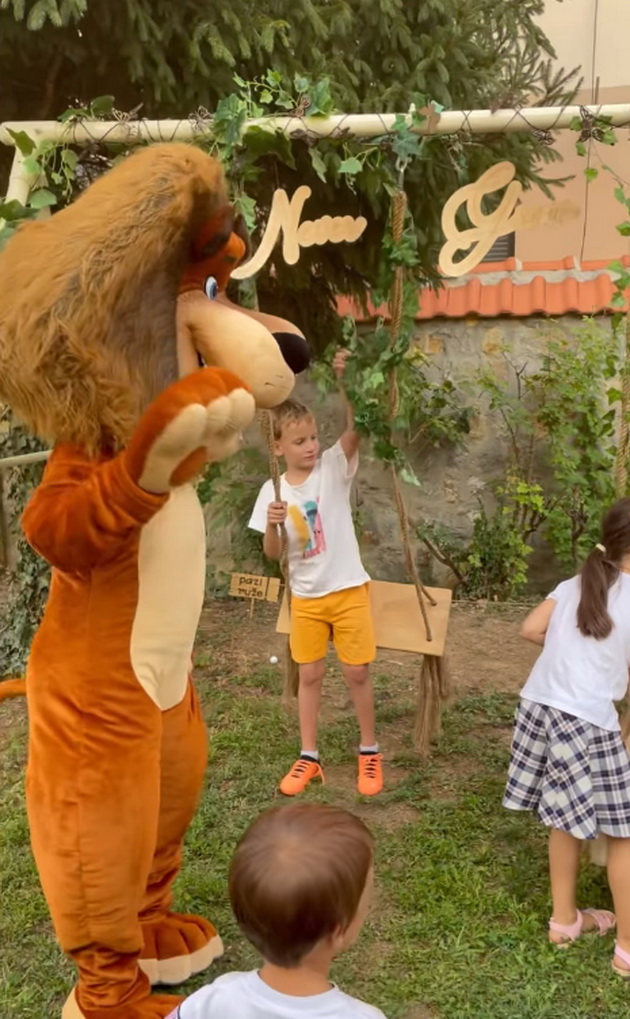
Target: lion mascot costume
117	344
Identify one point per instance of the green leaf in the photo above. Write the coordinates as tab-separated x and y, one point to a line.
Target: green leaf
618	300
259	142
23	141
229	119
318	163
620	194
74	113
285	101
239	81
32	166
580	148
624	229
301	83
42	199
408	475
351	165
102	106
321	101
247	207
591	173
13	211
69	158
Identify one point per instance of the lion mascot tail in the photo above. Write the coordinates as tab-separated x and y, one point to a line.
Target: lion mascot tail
12	688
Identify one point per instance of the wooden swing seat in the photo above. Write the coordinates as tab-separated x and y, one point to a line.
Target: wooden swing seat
398	622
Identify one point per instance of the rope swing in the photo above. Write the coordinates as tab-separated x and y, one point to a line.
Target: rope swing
433	680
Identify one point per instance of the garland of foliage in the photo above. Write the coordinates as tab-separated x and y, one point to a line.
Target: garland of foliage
252	155
347	175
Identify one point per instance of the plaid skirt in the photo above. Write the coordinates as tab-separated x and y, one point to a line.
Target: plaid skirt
574	775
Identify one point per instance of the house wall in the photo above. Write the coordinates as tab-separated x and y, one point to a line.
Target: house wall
452	479
593	36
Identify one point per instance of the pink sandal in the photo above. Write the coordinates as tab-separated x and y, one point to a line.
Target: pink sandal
604	922
620	953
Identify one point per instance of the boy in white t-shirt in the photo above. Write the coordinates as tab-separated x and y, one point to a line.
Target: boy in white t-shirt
300	884
329	585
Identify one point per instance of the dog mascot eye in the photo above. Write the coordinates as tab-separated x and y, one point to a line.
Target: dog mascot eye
211	288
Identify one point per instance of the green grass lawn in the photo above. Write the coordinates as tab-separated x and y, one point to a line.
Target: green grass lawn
459	924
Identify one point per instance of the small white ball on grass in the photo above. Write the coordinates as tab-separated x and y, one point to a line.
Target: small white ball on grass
273	660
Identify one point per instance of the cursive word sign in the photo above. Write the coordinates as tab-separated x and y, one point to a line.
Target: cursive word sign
284	219
487	228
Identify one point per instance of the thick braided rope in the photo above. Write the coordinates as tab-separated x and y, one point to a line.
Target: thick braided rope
621	481
398	217
412	570
291	673
621	464
274	470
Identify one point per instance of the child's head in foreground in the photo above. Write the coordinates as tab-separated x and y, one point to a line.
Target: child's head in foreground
300	882
295	434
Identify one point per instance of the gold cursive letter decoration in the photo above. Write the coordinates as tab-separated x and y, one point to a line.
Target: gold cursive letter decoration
486	228
284	219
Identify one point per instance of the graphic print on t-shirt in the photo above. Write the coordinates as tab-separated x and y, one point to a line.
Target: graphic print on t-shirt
308	527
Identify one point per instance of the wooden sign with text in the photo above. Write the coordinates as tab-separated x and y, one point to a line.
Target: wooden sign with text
255	588
508	217
473	243
284	218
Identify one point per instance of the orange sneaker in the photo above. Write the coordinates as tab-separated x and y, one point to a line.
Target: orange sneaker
303	771
370	774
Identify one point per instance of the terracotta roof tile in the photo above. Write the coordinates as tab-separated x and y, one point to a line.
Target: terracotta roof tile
512	288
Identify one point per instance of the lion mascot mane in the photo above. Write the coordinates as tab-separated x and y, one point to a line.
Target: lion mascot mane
118	345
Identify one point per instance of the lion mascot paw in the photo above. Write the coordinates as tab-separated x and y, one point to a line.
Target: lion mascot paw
118	344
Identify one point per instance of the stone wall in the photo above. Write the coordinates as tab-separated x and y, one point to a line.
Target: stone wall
452	480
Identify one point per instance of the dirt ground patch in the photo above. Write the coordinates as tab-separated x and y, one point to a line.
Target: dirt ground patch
484	650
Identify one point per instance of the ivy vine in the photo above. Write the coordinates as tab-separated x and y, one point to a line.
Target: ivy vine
249	151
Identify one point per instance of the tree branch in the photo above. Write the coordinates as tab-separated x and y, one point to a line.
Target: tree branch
50	83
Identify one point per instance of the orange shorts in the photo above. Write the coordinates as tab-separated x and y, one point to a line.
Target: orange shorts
344	616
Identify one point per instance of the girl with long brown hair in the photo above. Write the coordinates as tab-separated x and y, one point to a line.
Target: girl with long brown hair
569	763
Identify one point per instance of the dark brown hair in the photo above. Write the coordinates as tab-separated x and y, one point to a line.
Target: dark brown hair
297	876
287	412
601	570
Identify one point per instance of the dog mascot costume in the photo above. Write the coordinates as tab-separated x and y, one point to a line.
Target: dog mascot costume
106	315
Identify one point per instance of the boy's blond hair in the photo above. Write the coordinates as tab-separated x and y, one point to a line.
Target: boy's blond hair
287	413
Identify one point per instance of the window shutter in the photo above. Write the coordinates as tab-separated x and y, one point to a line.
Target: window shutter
502	249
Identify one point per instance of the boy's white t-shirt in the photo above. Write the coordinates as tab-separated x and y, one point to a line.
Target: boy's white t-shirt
577	674
246	996
324	552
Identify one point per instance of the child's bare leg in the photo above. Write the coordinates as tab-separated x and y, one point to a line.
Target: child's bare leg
309	700
564	866
360	685
619	881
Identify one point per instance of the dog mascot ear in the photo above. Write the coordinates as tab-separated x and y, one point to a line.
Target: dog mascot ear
96	357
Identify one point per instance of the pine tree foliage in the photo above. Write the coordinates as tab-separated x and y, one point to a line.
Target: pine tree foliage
170	59
174	57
